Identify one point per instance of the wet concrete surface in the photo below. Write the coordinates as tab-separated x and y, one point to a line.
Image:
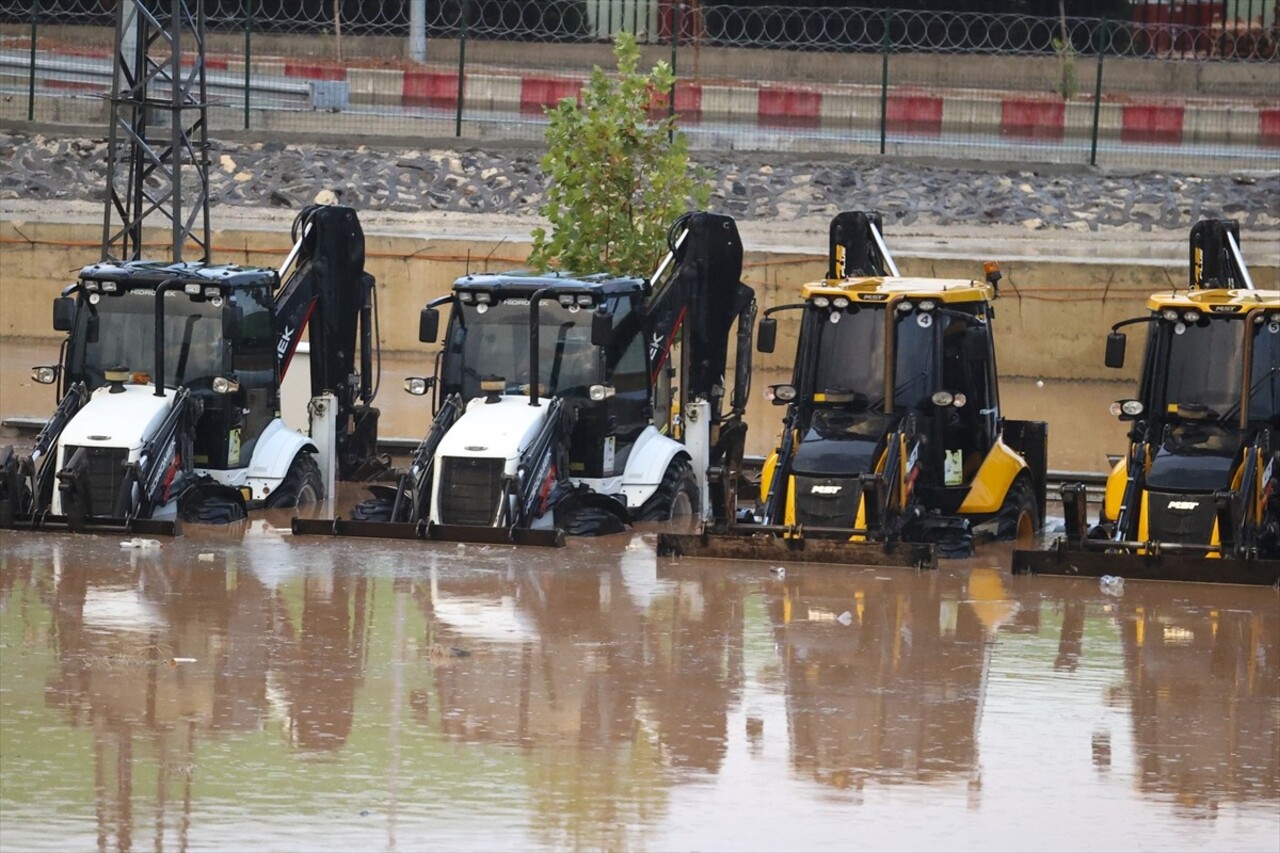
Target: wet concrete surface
249	689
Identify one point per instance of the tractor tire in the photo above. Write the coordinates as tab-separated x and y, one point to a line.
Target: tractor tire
301	486
213	509
1018	519
376	508
676	497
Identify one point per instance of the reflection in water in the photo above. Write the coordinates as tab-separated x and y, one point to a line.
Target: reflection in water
608	680
154	653
1201	682
1204	687
320	660
348	694
885	675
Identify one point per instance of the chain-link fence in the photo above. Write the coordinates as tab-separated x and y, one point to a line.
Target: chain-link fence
1190	85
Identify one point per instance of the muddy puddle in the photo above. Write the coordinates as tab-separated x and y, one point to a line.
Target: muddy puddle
250	689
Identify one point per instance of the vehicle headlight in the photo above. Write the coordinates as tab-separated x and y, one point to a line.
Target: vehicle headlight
1191	316
191	288
840	302
904	306
45	374
927	305
942	398
601	392
223	385
821	302
781	393
110	287
1170	314
1127	408
416	385
466	297
586	300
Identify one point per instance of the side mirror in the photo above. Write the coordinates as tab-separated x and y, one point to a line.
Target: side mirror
601	329
1115	349
767	335
428	325
64	313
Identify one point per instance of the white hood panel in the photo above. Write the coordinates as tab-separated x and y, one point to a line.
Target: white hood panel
500	429
117	420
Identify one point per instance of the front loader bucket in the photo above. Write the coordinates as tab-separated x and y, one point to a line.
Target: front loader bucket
776	548
1164	566
97	524
552	538
351	527
548	538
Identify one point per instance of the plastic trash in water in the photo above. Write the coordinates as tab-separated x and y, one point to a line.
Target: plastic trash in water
1111	584
778	571
845	618
207	557
143	544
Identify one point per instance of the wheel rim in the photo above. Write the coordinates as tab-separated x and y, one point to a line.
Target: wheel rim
308	495
1025	529
681	506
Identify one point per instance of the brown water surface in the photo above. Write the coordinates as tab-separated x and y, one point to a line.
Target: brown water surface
253	690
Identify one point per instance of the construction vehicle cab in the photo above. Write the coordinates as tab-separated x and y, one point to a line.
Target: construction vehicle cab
169	391
893	445
1194	498
555	409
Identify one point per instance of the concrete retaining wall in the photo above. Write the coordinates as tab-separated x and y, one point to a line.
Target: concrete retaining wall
1051	320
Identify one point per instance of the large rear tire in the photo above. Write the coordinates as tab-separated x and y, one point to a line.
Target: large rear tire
376	508
213	509
1018	518
676	497
301	486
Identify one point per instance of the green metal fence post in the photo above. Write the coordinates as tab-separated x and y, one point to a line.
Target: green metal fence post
462	66
884	83
31	78
248	54
1097	95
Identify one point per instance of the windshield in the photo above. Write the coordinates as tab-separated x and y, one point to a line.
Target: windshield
193	351
1204	364
1264	382
496	343
851	355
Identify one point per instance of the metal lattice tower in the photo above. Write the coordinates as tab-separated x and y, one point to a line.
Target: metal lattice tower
157	163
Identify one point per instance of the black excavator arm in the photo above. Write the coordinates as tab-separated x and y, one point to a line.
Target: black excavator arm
330	295
1216	260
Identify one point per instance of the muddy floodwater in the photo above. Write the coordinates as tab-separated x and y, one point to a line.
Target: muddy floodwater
253	690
